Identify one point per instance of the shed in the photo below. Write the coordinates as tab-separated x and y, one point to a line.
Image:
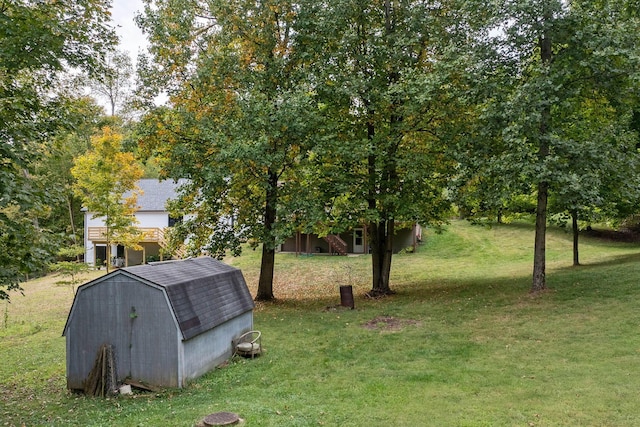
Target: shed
168	322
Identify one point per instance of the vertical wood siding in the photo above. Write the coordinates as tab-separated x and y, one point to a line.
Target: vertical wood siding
144	342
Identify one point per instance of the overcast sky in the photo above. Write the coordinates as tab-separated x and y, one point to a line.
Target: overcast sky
131	38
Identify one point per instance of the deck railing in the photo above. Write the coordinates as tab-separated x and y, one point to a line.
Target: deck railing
149	234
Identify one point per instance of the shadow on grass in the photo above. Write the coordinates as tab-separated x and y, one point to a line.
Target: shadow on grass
311	284
613	261
565	283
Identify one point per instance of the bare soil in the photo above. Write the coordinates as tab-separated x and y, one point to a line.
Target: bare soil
389	323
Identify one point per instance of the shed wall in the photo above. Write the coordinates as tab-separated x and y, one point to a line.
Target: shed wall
154	337
144	342
208	350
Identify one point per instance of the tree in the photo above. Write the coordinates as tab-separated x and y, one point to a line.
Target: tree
543	63
72	270
38	42
599	174
103	176
388	87
240	119
52	170
114	84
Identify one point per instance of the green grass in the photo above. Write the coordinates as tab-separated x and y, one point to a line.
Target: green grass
469	347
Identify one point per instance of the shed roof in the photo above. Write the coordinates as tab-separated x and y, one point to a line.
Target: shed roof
203	292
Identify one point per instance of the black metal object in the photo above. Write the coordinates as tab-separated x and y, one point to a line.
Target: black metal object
346	296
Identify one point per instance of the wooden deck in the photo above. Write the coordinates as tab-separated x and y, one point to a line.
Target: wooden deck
149	235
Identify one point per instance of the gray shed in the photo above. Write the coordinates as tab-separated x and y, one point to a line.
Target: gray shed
168	322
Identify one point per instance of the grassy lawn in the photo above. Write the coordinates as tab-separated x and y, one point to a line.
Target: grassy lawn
462	343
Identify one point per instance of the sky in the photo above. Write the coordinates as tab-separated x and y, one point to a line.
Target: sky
131	38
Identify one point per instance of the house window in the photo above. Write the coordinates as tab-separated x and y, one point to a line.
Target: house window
174	221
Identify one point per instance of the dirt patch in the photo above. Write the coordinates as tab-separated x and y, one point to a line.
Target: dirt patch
389	323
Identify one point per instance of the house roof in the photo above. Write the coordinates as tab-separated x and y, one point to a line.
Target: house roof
155	193
203	292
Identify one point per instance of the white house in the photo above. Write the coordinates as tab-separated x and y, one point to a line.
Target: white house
152	217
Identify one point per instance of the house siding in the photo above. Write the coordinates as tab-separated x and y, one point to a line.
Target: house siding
89	250
403	238
152	213
145	220
152	219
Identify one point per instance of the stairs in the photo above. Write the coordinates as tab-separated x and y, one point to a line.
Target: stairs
336	244
177	253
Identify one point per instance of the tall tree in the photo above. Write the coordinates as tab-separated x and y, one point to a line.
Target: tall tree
39	41
52	170
114	84
389	83
103	176
239	120
544	60
600	168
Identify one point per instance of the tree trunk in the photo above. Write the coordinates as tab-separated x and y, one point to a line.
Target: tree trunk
576	235
108	255
381	231
381	255
539	254
73	225
265	283
72	220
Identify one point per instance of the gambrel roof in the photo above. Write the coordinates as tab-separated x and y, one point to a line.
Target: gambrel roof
202	292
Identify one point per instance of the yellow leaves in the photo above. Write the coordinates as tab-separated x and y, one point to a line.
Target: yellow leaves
103	175
104	170
12	211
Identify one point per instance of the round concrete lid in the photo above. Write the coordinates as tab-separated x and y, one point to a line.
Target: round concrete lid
221	419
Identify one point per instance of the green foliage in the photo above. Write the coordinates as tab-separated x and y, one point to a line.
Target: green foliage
39	41
385	107
70	270
558	83
241	120
53	170
389	86
24	248
114	84
588	86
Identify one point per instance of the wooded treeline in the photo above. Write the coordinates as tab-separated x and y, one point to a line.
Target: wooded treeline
321	116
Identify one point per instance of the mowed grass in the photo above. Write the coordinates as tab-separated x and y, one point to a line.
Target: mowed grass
462	343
